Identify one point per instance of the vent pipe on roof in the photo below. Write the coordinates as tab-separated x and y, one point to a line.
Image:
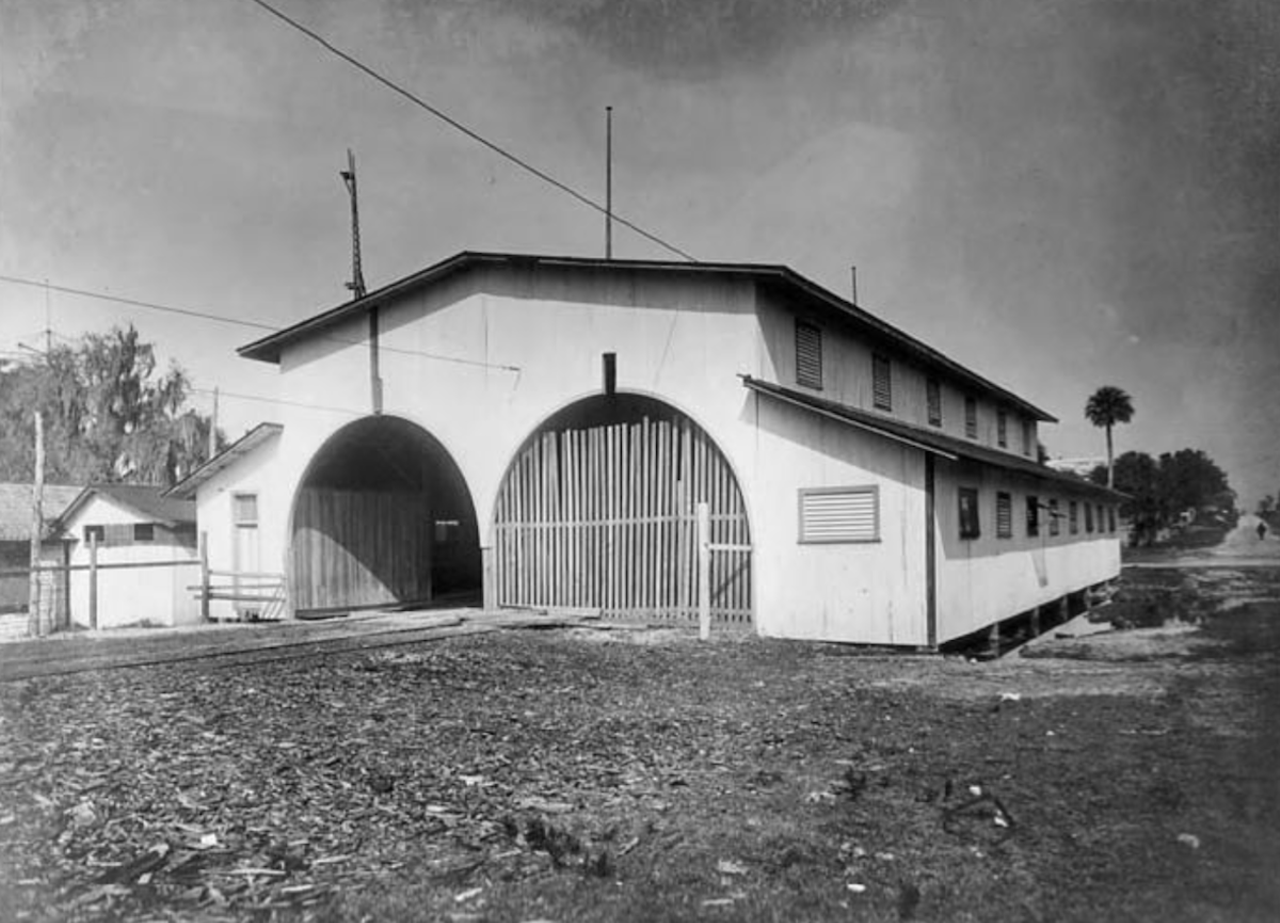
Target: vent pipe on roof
853	284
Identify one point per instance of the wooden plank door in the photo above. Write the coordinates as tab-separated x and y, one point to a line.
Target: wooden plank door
604	517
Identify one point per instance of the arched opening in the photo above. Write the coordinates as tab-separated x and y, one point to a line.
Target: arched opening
599	510
382	518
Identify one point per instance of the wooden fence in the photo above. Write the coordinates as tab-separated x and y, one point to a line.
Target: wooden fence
606	517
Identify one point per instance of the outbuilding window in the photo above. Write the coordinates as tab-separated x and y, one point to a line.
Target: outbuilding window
882	383
1004	515
1111	519
839	514
1028	437
1033	516
95	532
971	417
1002	429
144	532
1073	517
933	397
970	526
244	509
1055	524
1088	517
808	355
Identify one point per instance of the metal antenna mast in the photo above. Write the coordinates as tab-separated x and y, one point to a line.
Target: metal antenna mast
349	180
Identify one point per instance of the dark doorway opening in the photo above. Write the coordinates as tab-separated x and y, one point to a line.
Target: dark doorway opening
382	518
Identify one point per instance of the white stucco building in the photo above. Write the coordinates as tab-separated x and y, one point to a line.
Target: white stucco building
528	430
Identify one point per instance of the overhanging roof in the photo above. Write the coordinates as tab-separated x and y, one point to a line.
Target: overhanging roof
149	502
186	488
926	440
269	348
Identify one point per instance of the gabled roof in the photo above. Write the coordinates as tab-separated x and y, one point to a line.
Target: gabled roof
148	502
15	508
928	440
186	488
269	348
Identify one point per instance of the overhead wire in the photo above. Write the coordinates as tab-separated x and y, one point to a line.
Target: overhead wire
470	132
226	319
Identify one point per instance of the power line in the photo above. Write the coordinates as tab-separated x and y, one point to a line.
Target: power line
470	133
224	319
272	400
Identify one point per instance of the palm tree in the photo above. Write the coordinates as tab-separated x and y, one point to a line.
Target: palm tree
1108	406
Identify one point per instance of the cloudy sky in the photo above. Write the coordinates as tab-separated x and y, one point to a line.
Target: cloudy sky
1059	193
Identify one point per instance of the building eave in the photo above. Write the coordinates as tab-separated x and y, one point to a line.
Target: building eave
245	445
927	440
271	347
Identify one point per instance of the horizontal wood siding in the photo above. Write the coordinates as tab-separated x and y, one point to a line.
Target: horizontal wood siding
604	517
354	549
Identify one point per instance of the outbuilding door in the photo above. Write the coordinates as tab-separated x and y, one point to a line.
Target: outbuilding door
602	514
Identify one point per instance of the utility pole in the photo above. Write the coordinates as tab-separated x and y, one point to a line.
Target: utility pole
213	426
608	182
35	623
349	180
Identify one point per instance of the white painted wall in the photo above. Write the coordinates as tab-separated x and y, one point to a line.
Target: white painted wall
531	343
131	596
983	580
254	473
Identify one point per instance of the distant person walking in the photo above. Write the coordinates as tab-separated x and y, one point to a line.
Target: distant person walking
1262	529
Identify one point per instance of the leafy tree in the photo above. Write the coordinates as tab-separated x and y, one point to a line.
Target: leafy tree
1266	506
1106	407
1160	491
1190	480
108	415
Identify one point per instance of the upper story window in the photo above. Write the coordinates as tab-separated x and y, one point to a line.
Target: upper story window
1055	524
1111	519
1033	516
971	417
244	510
970	526
882	383
1002	429
933	397
1004	515
1028	437
1073	517
1088	517
808	355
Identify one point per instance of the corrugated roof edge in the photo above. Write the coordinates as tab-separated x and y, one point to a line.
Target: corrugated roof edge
186	488
933	441
268	348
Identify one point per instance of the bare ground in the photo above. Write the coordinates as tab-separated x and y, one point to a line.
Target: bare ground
590	775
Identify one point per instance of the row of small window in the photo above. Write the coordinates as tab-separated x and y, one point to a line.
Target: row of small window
809	374
121	533
1095	515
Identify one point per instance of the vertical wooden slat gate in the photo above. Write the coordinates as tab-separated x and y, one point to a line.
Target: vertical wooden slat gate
604	517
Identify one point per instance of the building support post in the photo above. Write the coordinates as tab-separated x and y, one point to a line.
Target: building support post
704	571
488	580
93	580
204	576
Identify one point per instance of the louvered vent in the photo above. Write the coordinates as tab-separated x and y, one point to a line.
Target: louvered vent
808	355
840	514
882	383
1004	515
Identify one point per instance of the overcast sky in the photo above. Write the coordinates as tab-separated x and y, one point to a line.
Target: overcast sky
1060	194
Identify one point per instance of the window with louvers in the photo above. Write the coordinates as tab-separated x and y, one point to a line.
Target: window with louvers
1002	429
882	383
840	514
1004	515
933	397
971	417
808	355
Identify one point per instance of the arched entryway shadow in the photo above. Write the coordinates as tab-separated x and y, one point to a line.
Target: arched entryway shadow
382	518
